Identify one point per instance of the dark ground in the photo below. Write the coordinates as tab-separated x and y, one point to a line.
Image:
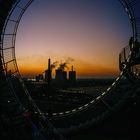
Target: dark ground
121	125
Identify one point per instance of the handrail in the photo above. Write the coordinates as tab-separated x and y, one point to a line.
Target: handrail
135	57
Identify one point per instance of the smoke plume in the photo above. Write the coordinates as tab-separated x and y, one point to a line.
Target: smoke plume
64	65
53	65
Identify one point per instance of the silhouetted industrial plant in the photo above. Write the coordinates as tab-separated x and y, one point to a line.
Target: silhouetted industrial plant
61	75
56	105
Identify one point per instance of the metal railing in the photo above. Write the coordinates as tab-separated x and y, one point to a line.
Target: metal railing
8	57
134	63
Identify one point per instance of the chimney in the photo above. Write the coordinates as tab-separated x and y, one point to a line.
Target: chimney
72	68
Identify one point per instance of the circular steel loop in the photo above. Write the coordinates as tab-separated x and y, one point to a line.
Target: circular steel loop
9	63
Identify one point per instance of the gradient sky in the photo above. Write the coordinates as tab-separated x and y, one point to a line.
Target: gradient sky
90	32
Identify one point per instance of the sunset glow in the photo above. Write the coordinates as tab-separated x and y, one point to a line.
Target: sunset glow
90	32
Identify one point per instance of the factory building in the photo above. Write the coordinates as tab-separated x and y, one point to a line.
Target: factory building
39	78
60	75
72	75
45	75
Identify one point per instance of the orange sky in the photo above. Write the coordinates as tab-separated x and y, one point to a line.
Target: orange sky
34	65
93	37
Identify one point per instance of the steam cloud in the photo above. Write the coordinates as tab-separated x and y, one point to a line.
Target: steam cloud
53	65
62	66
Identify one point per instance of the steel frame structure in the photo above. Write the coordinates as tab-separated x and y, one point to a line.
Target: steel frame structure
9	64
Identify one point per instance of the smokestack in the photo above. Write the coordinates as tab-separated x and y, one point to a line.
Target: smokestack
49	64
72	68
49	69
49	76
72	75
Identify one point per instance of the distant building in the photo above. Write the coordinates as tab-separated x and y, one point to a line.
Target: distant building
45	75
60	75
39	77
72	75
64	75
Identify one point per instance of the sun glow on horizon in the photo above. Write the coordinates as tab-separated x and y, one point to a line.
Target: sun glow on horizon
88	32
83	69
